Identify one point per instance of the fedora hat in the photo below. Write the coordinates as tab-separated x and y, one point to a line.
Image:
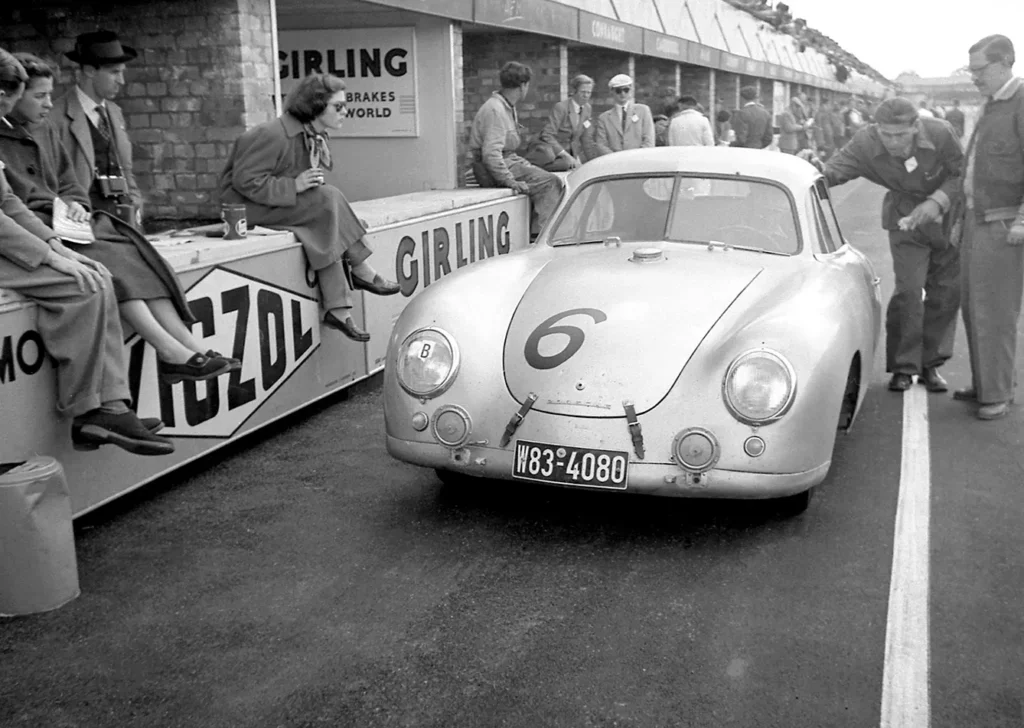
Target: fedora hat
100	48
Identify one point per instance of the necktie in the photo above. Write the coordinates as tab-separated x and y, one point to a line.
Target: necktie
319	150
623	119
103	127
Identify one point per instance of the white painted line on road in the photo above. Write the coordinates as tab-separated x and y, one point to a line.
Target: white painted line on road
905	696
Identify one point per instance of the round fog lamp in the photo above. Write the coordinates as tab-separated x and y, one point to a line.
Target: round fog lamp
452	426
420	421
695	449
754	446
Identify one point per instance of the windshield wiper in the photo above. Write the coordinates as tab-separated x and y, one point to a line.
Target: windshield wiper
748	248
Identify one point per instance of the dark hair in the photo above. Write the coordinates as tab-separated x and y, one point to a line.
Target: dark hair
514	75
686	101
748	93
12	75
997	48
310	96
722	116
34	66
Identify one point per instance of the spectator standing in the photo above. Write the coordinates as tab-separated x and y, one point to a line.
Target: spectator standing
752	123
792	128
493	139
77	315
690	128
919	162
993	229
955	116
627	125
568	125
924	112
838	125
824	130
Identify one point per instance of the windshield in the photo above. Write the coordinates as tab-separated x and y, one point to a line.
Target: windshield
740	212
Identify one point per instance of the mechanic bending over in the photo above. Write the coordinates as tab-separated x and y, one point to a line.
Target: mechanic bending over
919	162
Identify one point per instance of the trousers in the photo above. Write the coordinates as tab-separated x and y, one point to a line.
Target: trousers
993	282
918	333
545	187
82	333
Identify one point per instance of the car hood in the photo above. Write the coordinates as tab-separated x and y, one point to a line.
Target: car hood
596	328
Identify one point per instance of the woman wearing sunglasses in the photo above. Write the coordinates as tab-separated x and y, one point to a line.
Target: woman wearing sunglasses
277	171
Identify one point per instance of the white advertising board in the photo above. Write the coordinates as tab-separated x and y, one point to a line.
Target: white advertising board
379	69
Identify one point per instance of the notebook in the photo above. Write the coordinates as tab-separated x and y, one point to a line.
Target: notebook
69	230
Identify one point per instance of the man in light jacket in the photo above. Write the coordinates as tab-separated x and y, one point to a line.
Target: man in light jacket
568	126
627	125
690	128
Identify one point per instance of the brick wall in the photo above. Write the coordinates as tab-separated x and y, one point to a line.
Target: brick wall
199	81
696	82
655	83
600	64
483	55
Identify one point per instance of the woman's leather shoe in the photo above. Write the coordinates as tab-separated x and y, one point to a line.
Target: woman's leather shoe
346	326
235	364
970	394
378	286
198	368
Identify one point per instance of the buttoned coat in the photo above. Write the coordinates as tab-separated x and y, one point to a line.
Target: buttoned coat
72	125
566	129
261	173
609	136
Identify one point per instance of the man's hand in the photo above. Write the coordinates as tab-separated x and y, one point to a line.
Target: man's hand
85	276
573	162
60	249
1016	236
77	213
520	188
927	211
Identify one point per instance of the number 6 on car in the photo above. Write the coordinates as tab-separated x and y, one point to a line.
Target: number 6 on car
690	323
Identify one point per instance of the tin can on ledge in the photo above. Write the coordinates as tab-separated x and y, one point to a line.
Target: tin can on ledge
235	227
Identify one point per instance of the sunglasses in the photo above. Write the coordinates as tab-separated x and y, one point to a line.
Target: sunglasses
623	89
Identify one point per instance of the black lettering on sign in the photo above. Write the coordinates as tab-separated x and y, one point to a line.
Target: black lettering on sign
460	256
199	410
576	337
486	235
504	236
301	340
396	68
411	280
425	237
237	299
7	361
369	62
273	362
441	245
312	62
28	354
31	367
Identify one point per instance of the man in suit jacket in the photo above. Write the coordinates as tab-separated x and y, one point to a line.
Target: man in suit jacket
567	126
627	125
87	119
752	122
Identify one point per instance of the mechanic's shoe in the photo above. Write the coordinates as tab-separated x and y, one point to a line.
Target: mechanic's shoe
125	430
235	364
932	380
901	382
967	394
346	326
993	411
378	286
198	368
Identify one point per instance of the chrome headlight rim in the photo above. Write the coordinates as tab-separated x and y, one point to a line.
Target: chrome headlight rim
447	382
739	360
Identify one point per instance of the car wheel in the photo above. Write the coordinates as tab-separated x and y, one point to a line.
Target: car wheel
794	505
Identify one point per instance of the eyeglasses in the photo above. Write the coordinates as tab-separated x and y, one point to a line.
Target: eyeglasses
340	106
979	71
623	89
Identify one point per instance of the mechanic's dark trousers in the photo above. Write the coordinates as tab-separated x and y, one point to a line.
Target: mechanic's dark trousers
993	279
545	187
918	333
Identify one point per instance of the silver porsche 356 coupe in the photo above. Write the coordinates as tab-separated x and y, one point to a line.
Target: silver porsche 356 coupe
690	323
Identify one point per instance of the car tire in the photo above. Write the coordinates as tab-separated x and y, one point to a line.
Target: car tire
794	505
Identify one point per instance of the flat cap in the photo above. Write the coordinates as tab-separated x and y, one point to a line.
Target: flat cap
896	110
620	80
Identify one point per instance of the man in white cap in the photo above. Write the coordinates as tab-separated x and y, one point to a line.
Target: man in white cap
627	125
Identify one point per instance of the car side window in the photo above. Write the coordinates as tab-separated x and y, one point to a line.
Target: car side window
824	234
829	213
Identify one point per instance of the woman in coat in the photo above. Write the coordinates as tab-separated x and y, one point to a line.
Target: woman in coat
277	171
148	293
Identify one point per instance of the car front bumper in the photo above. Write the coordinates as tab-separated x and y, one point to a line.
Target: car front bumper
662	479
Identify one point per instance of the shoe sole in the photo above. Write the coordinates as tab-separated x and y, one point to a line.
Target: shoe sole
175	378
358	287
102	436
974	398
87	446
989	418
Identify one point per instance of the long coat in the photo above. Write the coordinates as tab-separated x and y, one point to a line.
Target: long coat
566	128
40	168
753	126
261	175
72	125
609	136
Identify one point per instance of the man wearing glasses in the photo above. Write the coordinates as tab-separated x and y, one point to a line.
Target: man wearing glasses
919	162
993	229
627	125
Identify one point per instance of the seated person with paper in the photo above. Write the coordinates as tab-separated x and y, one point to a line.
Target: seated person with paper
148	293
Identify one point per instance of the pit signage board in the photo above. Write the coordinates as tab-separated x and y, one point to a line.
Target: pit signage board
379	67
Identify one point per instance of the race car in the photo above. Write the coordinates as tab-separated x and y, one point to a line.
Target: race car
691	322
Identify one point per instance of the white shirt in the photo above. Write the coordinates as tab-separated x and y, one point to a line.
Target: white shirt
925	113
91	108
690	128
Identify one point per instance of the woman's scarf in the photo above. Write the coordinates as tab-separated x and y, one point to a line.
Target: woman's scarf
319	150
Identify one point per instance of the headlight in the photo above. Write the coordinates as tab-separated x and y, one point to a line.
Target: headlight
759	386
428	361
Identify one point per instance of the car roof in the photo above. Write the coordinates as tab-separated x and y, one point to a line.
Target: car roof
786	169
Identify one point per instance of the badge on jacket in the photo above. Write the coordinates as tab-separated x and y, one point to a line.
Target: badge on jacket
635	118
911	164
586	124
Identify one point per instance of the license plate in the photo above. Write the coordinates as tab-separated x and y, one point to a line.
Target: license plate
570	465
